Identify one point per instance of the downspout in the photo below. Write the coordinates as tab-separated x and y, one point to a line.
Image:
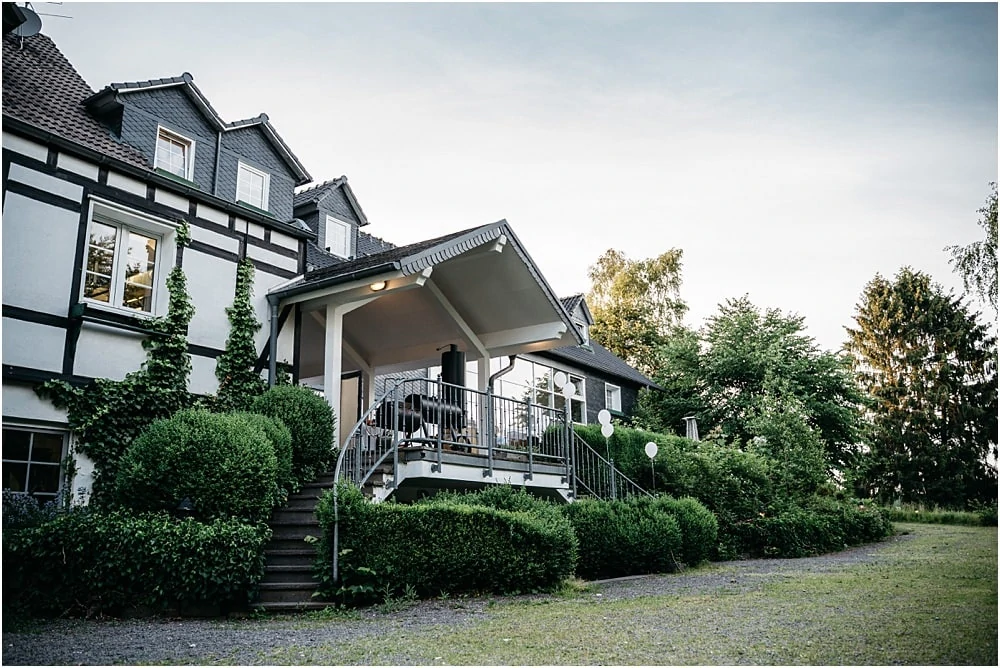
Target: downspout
502	372
488	428
218	161
272	345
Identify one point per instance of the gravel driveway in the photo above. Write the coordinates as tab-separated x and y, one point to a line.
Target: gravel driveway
243	641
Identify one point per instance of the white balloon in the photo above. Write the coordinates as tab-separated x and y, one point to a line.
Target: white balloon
607	430
559	378
651	449
569	390
604	417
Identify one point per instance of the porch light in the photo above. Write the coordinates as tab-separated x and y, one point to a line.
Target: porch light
376	287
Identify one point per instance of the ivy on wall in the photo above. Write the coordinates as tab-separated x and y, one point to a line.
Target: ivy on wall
239	382
107	415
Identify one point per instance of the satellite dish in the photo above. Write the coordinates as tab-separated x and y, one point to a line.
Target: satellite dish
32	24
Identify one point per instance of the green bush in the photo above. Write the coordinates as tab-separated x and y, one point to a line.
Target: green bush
440	546
619	538
310	420
224	464
106	562
281	441
699	528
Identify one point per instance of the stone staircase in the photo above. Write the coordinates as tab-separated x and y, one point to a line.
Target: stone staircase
288	583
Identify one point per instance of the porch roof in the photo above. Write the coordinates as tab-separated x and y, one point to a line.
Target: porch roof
477	288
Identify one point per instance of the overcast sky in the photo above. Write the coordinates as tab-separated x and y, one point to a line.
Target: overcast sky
791	150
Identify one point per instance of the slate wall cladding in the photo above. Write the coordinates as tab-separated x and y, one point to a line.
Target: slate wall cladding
250	146
335	204
172	109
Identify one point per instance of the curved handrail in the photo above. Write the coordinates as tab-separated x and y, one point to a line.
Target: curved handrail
621	485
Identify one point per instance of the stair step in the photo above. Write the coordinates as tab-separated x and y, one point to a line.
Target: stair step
293	516
288	557
295	531
301	502
290	606
286	592
290	544
287	574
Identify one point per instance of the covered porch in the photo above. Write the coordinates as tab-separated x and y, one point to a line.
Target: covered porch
476	293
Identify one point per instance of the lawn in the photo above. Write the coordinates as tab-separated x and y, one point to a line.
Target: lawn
930	598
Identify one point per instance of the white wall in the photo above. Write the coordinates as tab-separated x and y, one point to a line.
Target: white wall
104	352
32	345
211	284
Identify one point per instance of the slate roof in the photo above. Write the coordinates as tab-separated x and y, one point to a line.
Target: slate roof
600	358
315	194
40	67
106	99
570	303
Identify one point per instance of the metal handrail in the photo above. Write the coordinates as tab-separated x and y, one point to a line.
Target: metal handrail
598	477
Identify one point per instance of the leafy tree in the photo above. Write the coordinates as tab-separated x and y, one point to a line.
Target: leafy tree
929	369
760	369
977	262
677	369
635	303
239	381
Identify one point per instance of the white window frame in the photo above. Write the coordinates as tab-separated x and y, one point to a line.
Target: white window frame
243	168
584	331
62	455
124	219
331	221
189	154
614	391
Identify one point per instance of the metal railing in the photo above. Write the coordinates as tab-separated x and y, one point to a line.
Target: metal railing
595	476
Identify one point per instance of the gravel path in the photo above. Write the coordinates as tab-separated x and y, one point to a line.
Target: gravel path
181	641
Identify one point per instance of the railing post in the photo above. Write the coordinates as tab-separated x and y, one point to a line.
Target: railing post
529	429
570	459
440	421
489	434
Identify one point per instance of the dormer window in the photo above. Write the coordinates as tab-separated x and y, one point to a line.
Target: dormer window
584	331
252	186
338	237
174	153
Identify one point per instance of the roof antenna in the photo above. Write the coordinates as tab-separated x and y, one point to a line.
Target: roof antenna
32	23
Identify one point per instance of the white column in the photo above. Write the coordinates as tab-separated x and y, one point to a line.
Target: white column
368	388
333	361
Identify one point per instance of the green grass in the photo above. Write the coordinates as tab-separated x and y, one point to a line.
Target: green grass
929	599
923	515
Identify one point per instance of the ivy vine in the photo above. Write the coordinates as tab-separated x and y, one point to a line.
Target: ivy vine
107	415
239	382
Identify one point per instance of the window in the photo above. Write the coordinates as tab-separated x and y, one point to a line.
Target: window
174	153
31	462
125	251
536	382
612	397
252	186
338	237
584	331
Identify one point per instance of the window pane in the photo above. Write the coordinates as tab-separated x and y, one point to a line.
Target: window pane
43	478
103	236
138	297
47	448
577	408
100	261
15	477
16	444
171	154
97	287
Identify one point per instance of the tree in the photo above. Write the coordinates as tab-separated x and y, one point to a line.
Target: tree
766	382
977	262
239	381
635	303
677	369
929	369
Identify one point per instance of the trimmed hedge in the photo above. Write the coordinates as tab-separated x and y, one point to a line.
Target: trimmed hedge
440	545
699	528
105	562
310	420
619	538
224	464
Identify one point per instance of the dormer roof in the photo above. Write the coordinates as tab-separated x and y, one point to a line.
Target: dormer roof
577	301
314	196
108	101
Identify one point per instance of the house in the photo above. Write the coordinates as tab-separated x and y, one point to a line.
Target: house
99	185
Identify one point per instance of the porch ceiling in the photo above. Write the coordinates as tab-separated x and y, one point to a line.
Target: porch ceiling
478	290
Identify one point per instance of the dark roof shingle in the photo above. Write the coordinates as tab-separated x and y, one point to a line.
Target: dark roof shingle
601	359
41	88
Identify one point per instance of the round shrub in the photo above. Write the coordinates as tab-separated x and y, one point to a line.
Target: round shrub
699	528
310	420
281	440
224	465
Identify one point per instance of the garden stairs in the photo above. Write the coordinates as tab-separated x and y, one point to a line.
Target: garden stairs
288	583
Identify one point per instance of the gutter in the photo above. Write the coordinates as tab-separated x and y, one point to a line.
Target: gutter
334	280
20	127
